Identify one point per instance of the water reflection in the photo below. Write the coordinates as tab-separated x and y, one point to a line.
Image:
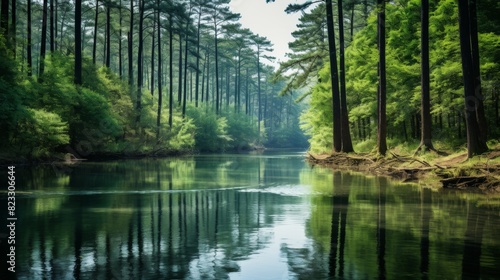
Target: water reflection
247	217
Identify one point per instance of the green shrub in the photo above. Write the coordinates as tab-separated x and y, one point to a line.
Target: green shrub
41	133
211	130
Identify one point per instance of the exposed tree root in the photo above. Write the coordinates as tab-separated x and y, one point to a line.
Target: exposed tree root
430	148
482	176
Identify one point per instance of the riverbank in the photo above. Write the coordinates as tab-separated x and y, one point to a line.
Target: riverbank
70	158
481	173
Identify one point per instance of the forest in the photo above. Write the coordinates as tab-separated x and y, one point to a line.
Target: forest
146	77
139	138
150	78
400	73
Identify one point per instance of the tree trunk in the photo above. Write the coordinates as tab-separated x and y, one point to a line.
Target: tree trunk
480	115
13	27
43	41
160	95
52	28
259	112
4	19
352	20
153	36
131	46
359	128
138	105
459	118
56	4
186	47
202	81
29	46
363	125
78	41
426	134
368	124
197	82
96	22
208	79
247	104
405	133
497	106
238	83
475	144
179	87
337	130
228	75
382	122
345	131
216	73
61	29
108	35
170	69
120	61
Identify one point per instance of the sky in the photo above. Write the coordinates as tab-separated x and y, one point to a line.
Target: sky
268	20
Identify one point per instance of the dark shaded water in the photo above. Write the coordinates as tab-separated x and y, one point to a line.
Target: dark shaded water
245	217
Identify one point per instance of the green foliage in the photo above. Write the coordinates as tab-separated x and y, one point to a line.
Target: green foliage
365	146
317	121
241	130
287	137
211	130
42	118
403	78
41	133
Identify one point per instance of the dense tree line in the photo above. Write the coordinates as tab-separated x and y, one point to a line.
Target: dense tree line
137	76
410	66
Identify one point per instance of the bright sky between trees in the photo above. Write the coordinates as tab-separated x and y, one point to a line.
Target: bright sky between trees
269	20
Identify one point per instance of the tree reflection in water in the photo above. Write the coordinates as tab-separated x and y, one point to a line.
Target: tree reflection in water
199	218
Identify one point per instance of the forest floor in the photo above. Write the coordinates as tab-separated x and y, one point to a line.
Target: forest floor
481	173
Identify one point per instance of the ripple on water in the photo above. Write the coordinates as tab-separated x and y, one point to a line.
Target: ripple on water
284	190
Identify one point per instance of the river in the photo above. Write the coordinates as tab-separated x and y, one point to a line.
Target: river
269	216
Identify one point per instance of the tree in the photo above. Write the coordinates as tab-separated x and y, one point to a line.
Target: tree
4	18
239	42
120	59
52	27
199	10
78	42
345	132
138	103
188	33
131	45
170	64
381	99
475	143
159	70
28	46
13	26
337	130
309	50
426	134
96	23
262	45
108	5
43	41
219	14
341	135
480	115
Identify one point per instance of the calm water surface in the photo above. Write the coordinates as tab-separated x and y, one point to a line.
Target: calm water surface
265	216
